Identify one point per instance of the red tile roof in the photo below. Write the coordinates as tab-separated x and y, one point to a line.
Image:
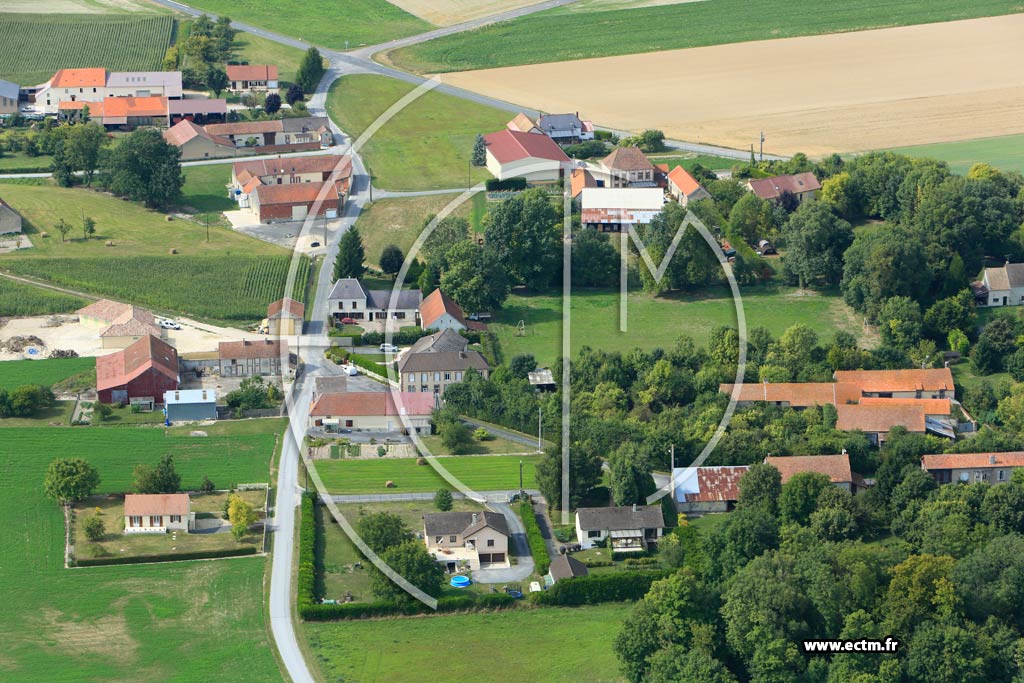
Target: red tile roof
121	107
581	178
318	163
837	467
296	309
879	419
507	146
717	484
156	504
966	461
437	304
932	406
79	78
121	367
883	381
259	348
185	130
296	193
682	179
772	188
797	394
105	310
373	403
251	72
627	159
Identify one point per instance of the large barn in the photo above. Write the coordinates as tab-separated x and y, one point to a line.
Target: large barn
138	374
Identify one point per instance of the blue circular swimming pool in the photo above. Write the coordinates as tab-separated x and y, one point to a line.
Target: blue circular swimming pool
460	581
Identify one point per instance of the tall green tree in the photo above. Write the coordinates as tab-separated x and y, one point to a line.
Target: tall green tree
160	479
799	496
475	277
412	561
815	241
479	157
216	79
584	474
311	70
70	479
146	168
900	322
628	477
448	232
351	254
83	147
760	487
383	530
525	235
391	260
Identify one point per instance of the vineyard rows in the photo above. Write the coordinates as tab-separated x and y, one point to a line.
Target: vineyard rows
34	46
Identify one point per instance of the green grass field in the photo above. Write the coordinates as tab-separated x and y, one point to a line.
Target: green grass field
246	273
482	473
256	50
688	161
330	23
561	34
182	621
18	298
548	645
426	146
205	190
18	162
35	46
1005	152
658	321
399	221
14	373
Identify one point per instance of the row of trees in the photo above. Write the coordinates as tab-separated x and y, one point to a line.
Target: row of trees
25	400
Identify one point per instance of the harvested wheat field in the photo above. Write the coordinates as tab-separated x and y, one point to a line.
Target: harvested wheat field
448	12
831	93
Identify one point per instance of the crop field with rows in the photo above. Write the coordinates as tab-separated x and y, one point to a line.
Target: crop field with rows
17	298
35	46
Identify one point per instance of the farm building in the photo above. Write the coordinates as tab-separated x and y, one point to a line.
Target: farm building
479	539
195	143
512	154
795	394
372	411
616	209
876	421
707	489
246	176
132	112
523	124
288	189
566	129
1002	286
350	299
260	357
803	186
297	201
926	383
282	135
157	513
284	317
993	468
190	405
435	362
122	324
138	375
10	220
8	97
249	77
94	85
200	110
835	467
630	529
683	187
626	167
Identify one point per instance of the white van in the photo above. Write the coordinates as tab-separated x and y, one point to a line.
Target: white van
388	348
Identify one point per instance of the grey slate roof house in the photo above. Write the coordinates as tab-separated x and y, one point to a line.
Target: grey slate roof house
438	360
349	298
565	128
1003	286
627	528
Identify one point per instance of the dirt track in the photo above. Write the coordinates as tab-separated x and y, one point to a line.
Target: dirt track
840	92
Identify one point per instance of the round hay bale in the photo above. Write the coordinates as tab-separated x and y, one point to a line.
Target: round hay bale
109	243
44	234
168	218
421	461
389	484
172	251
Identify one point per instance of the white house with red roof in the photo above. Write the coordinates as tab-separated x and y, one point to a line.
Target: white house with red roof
248	77
97	84
157	513
683	187
514	154
372	411
439	312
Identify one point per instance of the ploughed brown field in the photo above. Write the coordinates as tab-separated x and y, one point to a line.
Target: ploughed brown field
819	94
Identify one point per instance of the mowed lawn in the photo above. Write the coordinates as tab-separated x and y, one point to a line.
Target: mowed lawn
14	373
654	322
562	34
400	221
183	621
425	146
244	274
205	188
549	645
330	23
35	46
257	50
481	473
691	160
1005	153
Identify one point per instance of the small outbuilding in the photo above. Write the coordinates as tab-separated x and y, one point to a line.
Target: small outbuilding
565	567
190	405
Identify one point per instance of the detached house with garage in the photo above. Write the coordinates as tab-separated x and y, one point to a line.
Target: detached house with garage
158	513
566	129
626	529
478	540
250	77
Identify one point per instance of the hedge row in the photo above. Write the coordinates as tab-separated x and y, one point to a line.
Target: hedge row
409	335
307	554
597	588
538	548
141	559
365	610
495	185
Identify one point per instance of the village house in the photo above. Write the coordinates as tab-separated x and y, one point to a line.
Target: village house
139	374
965	468
626	167
580	179
158	513
876	421
350	299
439	312
8	97
683	187
259	357
289	189
835	467
437	361
803	186
794	394
523	124
10	220
566	129
250	77
564	567
277	135
512	154
372	411
131	112
297	201
476	539
617	209
627	528
285	317
317	169
1002	286
121	324
913	383
195	143
190	405
700	490
93	85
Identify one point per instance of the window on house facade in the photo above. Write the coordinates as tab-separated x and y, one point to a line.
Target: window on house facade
490	542
423	377
458	376
594	534
348	423
156	520
1001	475
437	376
135	520
437	539
447	376
452	539
175	519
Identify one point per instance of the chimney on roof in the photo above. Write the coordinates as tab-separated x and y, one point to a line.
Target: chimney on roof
634	507
462	354
474	518
844	452
991	460
177	395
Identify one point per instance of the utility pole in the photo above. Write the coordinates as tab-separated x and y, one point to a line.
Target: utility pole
522	492
762	145
540	425
672	458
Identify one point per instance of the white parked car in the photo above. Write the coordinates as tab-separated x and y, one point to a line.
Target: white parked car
350	370
388	348
169	325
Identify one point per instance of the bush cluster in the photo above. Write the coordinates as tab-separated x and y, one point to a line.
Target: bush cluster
538	548
495	185
140	559
597	588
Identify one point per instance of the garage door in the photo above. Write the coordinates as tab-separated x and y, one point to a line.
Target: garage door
498	557
489	558
299	212
485	558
